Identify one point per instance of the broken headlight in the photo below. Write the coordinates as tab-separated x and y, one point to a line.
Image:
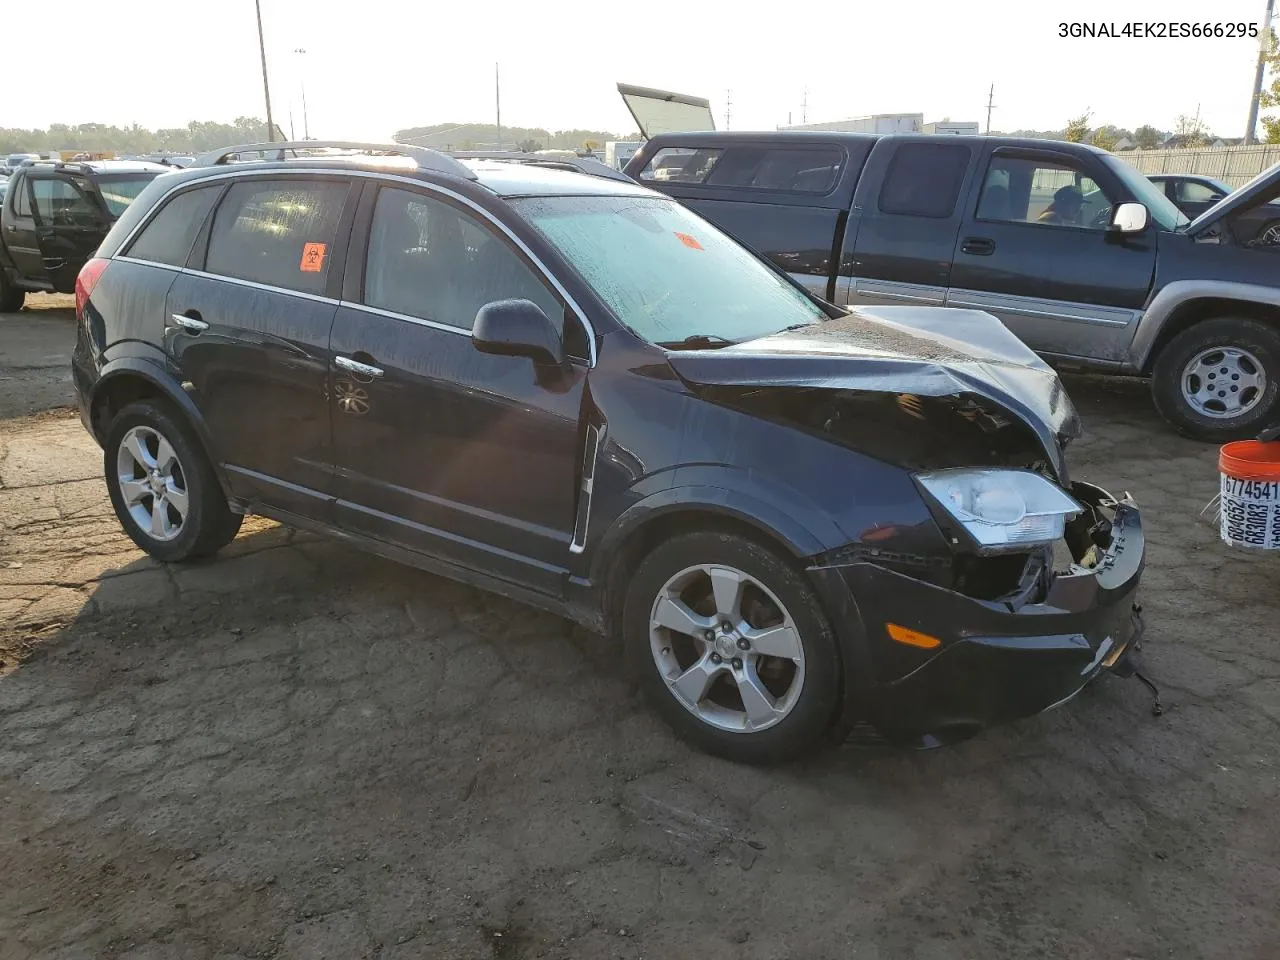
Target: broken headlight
1002	509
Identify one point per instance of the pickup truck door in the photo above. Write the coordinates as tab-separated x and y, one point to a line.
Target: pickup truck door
905	219
20	231
70	225
1035	252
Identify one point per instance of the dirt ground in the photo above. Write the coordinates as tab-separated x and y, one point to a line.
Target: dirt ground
296	751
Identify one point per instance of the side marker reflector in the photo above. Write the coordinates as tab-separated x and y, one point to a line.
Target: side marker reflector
912	638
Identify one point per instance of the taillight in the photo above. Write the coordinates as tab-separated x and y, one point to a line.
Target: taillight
89	276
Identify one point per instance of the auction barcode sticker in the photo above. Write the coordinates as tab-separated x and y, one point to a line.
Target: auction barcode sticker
1250	513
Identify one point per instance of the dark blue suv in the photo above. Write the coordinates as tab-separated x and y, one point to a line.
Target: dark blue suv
575	392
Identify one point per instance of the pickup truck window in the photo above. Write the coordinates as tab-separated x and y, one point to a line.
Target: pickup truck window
1042	192
666	273
121	190
924	179
681	164
60	203
789	170
1161	208
21	199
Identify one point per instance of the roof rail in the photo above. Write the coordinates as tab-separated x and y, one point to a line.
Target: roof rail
591	166
426	159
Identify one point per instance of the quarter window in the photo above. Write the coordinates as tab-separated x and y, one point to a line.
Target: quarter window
60	203
429	260
172	231
681	164
924	179
277	232
1043	192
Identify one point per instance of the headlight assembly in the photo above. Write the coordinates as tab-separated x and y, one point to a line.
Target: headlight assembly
1002	509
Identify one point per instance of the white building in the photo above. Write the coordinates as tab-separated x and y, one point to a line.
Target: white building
617	153
957	128
892	123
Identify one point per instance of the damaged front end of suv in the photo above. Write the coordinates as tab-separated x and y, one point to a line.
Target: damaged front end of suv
979	582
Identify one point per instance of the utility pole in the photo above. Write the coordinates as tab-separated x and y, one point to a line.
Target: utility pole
266	89
991	105
302	81
804	107
728	103
1264	49
497	102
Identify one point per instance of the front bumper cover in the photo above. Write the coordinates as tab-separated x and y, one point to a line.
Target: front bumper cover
997	660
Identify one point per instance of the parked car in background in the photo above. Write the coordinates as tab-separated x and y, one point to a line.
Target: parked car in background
16	160
577	393
1190	193
1081	256
53	217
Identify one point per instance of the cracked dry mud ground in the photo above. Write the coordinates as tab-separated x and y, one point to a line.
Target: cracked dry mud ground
295	751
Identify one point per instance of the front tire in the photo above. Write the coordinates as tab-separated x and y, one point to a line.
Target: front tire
1219	380
163	487
732	647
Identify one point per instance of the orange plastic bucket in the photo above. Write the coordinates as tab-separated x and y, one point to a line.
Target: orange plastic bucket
1249	514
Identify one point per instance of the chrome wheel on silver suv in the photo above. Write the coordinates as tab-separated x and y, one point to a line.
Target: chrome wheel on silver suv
731	645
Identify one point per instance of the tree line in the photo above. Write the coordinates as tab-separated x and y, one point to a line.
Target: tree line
195	137
485	136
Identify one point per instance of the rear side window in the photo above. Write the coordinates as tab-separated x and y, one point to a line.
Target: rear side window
277	232
60	203
21	200
681	164
924	179
172	231
789	170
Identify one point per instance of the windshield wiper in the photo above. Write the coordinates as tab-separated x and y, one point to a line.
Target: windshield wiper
699	341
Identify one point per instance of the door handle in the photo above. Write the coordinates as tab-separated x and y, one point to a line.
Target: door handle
190	321
358	368
978	246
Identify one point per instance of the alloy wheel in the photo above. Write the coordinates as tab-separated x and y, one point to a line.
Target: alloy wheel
1223	382
727	648
152	483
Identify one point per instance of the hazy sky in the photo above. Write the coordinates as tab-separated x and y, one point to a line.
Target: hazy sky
374	66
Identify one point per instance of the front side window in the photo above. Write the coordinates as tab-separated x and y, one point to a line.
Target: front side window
428	259
681	164
787	169
120	190
1193	191
1043	192
172	231
923	179
666	273
22	200
60	203
277	232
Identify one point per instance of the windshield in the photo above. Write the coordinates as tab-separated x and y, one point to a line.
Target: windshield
666	273
1148	194
122	189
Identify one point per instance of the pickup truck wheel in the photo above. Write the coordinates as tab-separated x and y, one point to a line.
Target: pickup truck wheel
11	298
732	647
162	486
1220	379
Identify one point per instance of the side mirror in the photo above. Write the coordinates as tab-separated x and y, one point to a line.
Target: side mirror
517	328
1129	218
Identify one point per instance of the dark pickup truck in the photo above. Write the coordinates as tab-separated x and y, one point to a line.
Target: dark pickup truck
1081	256
55	215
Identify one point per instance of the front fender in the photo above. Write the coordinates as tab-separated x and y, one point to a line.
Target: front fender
1174	295
157	374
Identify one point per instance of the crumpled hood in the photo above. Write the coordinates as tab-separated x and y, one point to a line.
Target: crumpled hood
1247	196
928	351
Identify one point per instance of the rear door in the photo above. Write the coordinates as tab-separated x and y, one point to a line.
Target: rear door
1035	252
788	202
70	224
248	322
906	217
20	234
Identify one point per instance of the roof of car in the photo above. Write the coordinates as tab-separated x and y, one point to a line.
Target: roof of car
529	180
838	136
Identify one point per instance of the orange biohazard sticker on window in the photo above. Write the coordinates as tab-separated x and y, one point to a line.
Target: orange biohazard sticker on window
689	241
312	257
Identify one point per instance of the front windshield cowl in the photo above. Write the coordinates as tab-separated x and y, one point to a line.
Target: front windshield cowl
669	276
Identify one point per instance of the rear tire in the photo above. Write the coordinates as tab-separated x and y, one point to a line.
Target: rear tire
162	485
761	692
11	298
1219	380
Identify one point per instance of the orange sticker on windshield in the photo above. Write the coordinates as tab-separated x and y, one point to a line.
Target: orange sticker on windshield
313	257
689	241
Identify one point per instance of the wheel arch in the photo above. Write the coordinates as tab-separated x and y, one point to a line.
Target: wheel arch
129	379
1180	306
